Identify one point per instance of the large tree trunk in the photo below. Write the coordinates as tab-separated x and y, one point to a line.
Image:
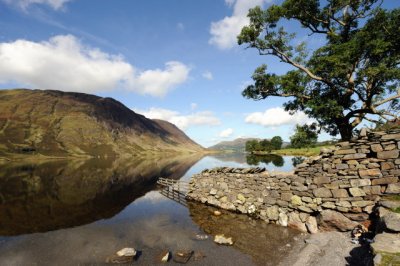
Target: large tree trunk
345	129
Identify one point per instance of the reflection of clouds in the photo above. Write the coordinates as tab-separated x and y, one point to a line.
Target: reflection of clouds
153	197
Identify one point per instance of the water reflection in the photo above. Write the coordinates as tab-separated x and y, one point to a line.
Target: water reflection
59	194
255	160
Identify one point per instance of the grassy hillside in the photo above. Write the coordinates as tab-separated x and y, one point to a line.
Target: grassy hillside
63	124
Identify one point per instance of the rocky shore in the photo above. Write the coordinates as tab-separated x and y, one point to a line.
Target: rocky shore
340	190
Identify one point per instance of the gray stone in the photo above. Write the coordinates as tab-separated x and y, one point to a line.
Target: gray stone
385	180
360	182
273	213
354	156
356	192
376	147
393	154
342	166
345	151
391	136
362	203
296	223
340	193
392	221
213	191
391	204
322	193
386	243
312	225
393	188
331	220
370	173
283	219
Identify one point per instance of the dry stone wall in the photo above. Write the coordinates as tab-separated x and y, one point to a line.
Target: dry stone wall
337	189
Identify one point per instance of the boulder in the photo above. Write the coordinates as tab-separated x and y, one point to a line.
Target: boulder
392	221
329	220
386	243
296	223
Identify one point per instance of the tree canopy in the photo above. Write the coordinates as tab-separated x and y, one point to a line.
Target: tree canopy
264	145
304	136
354	76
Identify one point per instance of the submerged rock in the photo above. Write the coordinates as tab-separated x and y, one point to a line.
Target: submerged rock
223	240
127	252
183	256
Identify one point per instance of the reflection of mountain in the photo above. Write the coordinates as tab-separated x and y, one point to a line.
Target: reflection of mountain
49	196
230	157
266	244
276	160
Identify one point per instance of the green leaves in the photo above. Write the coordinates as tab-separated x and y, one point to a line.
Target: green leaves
354	74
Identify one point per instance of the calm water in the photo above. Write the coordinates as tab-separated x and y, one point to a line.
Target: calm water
80	212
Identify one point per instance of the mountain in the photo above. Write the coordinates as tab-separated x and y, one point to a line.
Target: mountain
238	145
55	123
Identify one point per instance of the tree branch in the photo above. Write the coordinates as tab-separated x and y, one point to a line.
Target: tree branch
388	99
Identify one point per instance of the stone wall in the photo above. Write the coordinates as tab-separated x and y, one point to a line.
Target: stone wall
336	189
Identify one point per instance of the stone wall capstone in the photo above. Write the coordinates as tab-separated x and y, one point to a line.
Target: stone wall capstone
337	189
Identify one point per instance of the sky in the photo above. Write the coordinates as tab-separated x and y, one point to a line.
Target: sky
175	60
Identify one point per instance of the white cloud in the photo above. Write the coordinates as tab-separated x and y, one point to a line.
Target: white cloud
226	133
182	121
193	106
207	75
24	4
64	63
225	31
276	117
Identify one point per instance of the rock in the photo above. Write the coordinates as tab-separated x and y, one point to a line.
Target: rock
322	180
296	223
376	147
345	151
312	225
331	220
217	213
252	209
356	192
183	256
355	156
198	255
296	200
378	259
393	188
370	173
273	213
127	252
241	198
392	221
222	240
393	154
283	219
340	193
115	259
360	182
213	191
386	243
391	204
322	193
384	181
200	237
164	256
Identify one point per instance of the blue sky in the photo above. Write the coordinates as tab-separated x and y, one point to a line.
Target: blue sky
171	59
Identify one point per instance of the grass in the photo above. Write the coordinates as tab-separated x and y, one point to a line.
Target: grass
390	259
302	151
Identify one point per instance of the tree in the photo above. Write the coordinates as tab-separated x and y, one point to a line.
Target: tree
251	145
304	136
354	76
276	143
265	145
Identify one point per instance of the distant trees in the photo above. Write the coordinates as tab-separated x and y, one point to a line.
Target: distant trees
264	145
304	136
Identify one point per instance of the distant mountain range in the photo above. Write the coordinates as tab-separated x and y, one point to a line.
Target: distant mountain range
63	124
237	145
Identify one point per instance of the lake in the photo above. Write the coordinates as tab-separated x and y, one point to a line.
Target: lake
80	212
